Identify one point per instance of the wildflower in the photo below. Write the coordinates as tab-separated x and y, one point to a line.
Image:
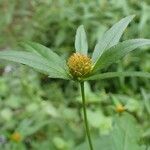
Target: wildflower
107	51
79	65
16	137
120	108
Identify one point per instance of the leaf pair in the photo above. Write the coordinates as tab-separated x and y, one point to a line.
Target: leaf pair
107	50
40	58
109	39
118	51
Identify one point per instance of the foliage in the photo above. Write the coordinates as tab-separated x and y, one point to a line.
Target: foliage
47	112
123	136
108	50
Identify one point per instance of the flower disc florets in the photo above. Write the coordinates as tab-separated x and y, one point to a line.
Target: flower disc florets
79	65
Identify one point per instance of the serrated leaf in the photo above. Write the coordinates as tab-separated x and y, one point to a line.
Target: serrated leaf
111	37
36	62
81	45
45	52
107	75
118	51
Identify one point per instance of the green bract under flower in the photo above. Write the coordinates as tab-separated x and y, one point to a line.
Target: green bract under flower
79	65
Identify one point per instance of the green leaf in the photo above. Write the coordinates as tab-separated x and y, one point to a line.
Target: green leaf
111	37
124	136
118	74
146	100
118	51
36	62
45	52
81	44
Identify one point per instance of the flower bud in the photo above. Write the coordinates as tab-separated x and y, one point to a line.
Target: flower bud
79	65
16	137
120	108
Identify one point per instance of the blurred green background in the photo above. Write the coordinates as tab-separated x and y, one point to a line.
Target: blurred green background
40	113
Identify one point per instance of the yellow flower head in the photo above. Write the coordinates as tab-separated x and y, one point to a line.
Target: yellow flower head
16	137
120	108
79	65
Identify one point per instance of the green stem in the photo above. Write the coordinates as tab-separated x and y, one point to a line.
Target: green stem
85	116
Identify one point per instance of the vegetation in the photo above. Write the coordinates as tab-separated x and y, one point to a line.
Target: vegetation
39	112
